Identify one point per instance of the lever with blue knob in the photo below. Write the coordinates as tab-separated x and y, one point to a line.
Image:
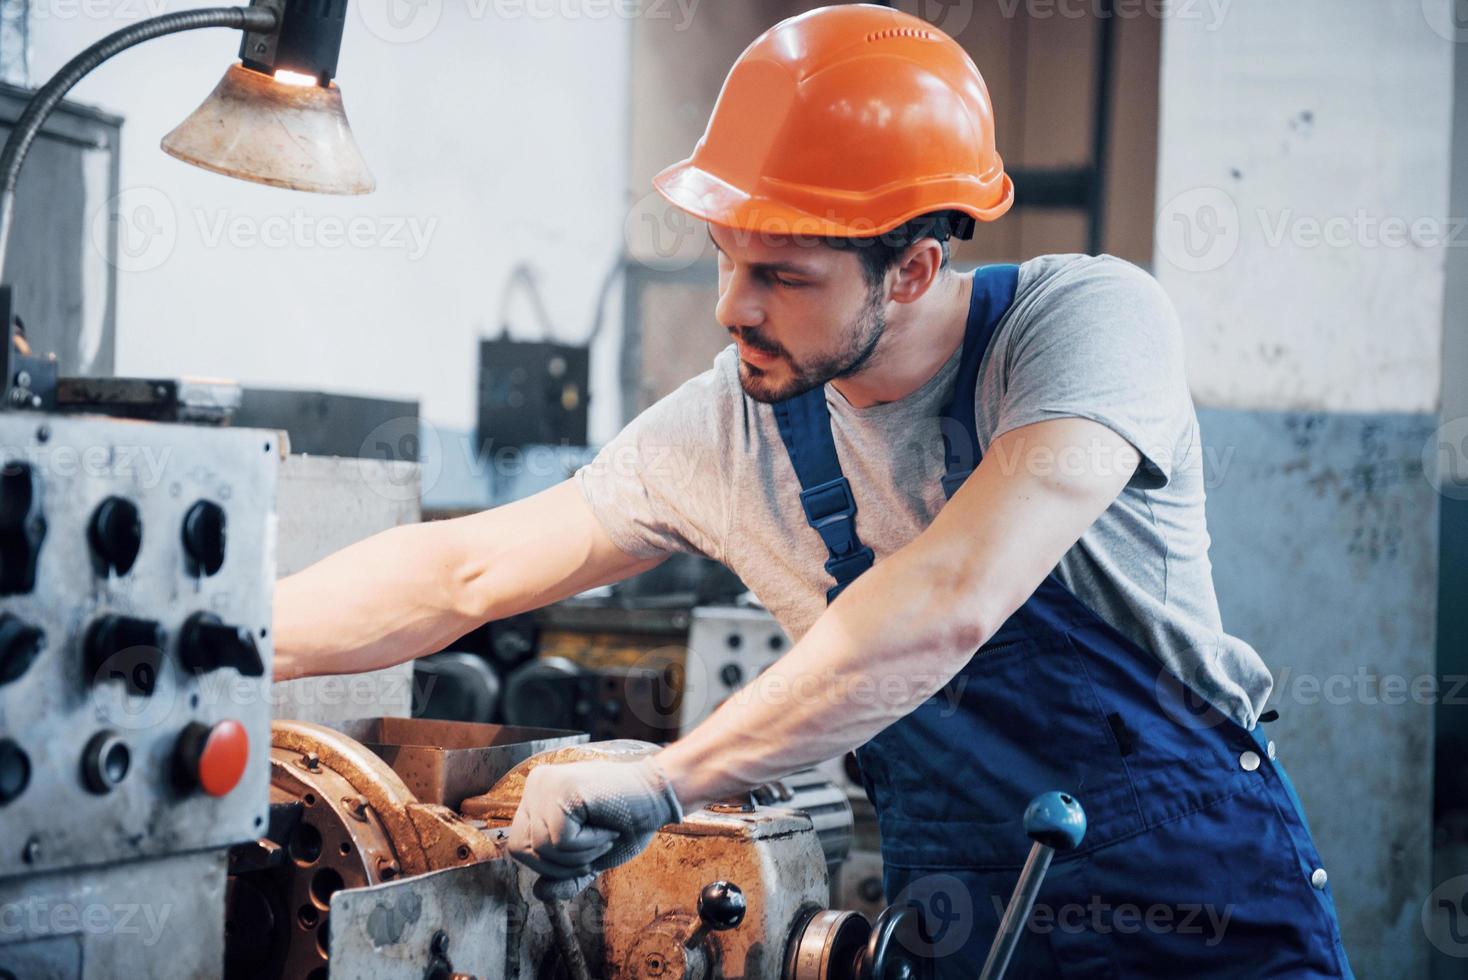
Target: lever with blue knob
1055	822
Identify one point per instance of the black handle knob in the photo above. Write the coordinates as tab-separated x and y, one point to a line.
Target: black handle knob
207	644
20	645
203	537
126	648
115	534
896	948
721	905
22	527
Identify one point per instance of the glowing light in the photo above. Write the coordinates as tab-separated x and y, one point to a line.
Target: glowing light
294	78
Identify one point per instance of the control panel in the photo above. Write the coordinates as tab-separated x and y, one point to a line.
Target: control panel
136	573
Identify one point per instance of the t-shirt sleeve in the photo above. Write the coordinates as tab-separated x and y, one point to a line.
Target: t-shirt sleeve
657	488
1101	342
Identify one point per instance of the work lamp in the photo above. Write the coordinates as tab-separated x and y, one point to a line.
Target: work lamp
275	118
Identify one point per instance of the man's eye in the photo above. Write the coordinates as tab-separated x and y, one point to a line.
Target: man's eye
789	283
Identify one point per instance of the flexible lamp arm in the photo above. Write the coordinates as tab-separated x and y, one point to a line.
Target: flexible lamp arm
256	20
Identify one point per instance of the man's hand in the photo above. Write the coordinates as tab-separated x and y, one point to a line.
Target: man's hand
579	818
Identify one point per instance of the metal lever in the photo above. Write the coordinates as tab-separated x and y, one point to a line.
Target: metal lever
1055	822
565	930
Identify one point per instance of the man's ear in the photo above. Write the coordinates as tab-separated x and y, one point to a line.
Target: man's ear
916	270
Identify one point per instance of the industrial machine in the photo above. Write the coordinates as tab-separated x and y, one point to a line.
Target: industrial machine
136	568
368	833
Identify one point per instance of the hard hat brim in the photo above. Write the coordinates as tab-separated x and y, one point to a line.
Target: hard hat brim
704	195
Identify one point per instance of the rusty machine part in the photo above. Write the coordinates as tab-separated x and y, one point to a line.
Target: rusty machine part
340	817
737	889
832	944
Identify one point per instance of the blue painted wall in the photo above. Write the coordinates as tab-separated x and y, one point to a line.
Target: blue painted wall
1325	554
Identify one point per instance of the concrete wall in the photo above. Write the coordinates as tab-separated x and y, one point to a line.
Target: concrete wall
497	132
1302	232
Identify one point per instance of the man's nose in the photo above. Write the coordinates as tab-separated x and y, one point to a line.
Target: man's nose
738	304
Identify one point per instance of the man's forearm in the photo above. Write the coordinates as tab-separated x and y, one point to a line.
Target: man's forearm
389	598
895	637
901	632
412	590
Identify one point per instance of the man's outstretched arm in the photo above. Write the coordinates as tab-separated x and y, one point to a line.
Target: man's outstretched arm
904	629
893	639
410	590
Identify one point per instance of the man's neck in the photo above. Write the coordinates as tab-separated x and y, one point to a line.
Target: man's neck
914	348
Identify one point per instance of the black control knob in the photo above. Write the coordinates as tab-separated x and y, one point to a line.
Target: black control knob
721	905
121	647
20	645
203	537
207	644
115	534
105	762
22	527
15	770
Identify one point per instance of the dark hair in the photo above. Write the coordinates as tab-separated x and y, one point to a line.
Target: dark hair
878	253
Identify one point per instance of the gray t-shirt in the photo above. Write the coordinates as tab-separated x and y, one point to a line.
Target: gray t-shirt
704	470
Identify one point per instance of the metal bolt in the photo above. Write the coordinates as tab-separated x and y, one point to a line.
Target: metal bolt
22	379
311	761
31	853
387	869
463	852
260	47
356	807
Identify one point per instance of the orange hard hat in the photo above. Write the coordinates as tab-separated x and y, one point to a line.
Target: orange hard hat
845	121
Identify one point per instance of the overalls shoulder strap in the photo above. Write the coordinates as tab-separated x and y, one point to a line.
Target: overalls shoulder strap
993	294
805	428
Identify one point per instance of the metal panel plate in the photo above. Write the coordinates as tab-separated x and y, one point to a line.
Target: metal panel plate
386	932
161	919
59	704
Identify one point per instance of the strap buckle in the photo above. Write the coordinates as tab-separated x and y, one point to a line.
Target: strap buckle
830	508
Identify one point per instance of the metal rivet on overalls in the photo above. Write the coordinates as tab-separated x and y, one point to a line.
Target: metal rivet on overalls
1318	879
1250	761
1270	748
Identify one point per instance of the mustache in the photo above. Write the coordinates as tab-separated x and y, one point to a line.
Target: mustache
751	339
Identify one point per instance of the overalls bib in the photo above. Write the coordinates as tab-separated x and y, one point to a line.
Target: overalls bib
1197	861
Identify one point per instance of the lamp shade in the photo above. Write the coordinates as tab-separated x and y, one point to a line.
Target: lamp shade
260	128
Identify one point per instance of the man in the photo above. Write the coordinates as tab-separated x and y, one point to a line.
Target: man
907	465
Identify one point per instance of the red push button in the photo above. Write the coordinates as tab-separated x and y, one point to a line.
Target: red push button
213	758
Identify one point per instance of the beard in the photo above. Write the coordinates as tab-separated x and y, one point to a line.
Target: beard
863	335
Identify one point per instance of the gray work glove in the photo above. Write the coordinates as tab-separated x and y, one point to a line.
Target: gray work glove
579	818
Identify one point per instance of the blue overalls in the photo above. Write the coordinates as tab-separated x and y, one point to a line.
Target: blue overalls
1197	861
